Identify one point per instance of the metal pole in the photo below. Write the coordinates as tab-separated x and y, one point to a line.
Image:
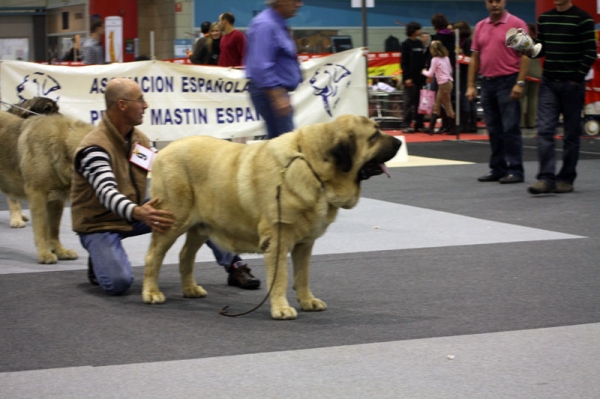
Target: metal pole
457	88
152	55
365	44
364	22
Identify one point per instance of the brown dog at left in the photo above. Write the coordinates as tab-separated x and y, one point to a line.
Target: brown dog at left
34	106
36	163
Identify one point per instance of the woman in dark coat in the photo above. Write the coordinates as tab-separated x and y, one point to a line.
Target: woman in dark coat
209	53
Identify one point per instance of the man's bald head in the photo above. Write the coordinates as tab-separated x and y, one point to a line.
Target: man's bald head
119	88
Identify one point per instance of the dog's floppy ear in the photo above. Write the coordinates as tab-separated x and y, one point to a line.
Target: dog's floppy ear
340	72
343	153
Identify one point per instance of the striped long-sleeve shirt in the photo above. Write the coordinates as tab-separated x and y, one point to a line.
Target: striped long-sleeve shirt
93	163
568	43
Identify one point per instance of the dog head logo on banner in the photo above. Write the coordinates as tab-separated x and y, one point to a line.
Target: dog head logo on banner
38	84
327	82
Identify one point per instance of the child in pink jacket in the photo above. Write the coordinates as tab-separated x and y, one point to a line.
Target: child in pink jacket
442	70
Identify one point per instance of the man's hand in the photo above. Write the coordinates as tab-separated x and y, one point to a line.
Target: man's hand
516	92
408	83
157	219
280	100
471	93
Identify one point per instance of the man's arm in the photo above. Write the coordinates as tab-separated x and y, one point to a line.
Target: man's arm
262	63
241	45
517	89
588	40
404	60
471	93
93	163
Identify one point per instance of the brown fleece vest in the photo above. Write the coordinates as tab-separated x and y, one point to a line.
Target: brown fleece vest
88	214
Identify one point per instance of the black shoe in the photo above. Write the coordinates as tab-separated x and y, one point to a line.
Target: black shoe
408	130
489	177
240	276
510	179
420	129
91	275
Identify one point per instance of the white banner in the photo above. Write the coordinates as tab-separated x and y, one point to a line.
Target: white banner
185	100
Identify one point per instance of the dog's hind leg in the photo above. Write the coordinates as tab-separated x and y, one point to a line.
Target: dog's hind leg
301	260
17	219
187	257
55	210
159	245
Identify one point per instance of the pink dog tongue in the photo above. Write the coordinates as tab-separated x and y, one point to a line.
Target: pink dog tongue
385	170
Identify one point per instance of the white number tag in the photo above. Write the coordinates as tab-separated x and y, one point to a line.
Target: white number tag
142	156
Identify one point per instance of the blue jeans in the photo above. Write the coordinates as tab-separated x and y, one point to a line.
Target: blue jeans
502	117
276	124
555	98
111	264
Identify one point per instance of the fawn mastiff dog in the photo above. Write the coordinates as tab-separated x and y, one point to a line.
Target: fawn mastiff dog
10	130
36	162
274	197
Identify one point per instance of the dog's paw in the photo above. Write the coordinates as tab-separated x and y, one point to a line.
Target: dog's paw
283	313
153	298
194	292
47	258
313	305
17	223
66	254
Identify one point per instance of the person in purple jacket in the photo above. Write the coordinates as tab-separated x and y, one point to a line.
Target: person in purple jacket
272	65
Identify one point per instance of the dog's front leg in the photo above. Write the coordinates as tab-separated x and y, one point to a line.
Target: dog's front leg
159	245
277	276
39	220
187	257
301	259
55	211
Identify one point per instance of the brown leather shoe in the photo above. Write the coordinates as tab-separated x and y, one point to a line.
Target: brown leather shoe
240	276
563	187
541	187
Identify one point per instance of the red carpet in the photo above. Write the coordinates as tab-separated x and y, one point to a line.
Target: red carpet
424	137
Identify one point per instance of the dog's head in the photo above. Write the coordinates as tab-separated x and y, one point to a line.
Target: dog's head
352	149
37	105
362	149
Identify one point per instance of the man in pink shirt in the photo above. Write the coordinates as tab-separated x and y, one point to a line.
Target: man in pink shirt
233	42
503	74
